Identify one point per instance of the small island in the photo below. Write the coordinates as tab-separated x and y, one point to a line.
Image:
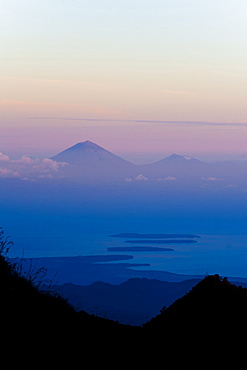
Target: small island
154	236
139	249
159	241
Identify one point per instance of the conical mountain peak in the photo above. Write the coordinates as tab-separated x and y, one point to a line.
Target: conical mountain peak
84	145
89	144
175	156
89	154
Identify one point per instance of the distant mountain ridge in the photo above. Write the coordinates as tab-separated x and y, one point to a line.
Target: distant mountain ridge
87	150
204	329
133	302
89	162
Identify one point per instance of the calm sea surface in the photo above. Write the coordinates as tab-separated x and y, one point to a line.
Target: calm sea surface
222	254
74	226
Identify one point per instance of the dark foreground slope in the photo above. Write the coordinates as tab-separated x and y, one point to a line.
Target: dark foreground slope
38	329
205	329
133	302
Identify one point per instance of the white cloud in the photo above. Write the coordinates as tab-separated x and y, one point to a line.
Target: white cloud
26	159
212	179
140	178
3	157
5	172
28	168
49	176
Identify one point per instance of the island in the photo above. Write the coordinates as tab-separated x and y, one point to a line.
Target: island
154	236
139	249
159	241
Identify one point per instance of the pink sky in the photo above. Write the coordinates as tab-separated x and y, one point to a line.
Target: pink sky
136	141
124	61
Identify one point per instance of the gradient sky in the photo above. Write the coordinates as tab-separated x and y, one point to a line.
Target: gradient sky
135	76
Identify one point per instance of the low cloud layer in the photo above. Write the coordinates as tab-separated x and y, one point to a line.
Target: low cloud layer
27	168
137	178
212	179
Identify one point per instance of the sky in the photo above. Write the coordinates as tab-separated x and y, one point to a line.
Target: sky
142	78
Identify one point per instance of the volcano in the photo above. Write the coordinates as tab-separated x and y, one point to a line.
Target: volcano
90	161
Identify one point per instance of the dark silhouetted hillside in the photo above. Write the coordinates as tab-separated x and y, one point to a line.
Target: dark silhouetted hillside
133	302
41	330
205	329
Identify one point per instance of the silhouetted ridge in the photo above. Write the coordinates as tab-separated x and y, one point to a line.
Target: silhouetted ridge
43	330
206	326
180	160
205	329
133	302
88	162
84	145
175	157
87	151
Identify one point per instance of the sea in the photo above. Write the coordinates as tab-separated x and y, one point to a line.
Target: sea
225	255
40	226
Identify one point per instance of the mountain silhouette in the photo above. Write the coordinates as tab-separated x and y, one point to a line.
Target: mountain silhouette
133	302
41	330
177	157
177	166
89	161
205	329
91	152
